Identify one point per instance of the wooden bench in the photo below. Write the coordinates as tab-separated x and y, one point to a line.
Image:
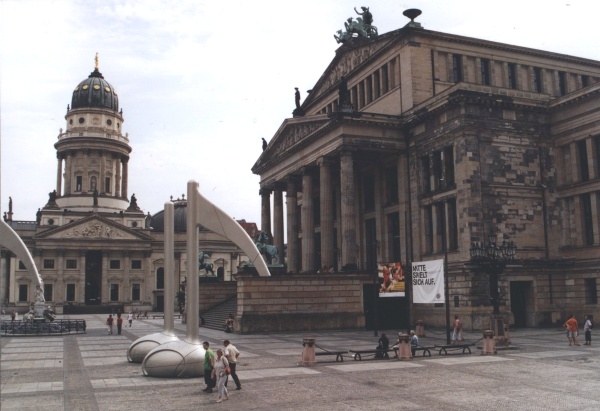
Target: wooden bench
443	349
338	354
163	316
357	354
426	350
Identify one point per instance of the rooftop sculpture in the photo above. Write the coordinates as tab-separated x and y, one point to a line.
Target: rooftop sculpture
362	27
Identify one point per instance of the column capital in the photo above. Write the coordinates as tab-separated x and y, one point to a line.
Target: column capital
324	161
264	191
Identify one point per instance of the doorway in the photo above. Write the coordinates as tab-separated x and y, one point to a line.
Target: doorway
521	302
160	303
93	277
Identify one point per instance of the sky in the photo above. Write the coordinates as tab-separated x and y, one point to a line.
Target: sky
201	82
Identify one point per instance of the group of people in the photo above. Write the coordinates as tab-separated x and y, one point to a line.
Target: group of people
110	321
384	344
572	327
217	369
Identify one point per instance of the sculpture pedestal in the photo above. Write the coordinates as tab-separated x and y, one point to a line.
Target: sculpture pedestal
500	330
489	343
308	353
420	329
404	352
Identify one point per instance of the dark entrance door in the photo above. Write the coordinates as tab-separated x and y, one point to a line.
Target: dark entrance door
160	303
93	277
520	303
384	313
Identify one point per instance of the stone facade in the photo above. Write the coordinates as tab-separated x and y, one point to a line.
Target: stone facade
450	139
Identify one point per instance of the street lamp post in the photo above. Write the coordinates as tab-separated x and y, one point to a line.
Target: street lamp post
493	258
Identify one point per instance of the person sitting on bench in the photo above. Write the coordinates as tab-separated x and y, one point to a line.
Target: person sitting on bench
383	346
414	342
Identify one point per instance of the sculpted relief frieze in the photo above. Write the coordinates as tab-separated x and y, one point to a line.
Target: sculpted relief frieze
293	135
93	230
347	63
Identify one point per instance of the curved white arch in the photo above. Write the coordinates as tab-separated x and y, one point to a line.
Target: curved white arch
12	241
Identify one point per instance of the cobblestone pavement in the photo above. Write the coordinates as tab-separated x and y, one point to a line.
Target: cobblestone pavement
90	372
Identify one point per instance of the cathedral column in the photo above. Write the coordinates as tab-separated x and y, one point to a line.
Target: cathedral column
125	162
278	223
85	184
347	220
327	213
265	212
308	223
80	293
68	174
126	271
59	175
148	277
404	210
59	286
105	286
100	184
291	199
117	182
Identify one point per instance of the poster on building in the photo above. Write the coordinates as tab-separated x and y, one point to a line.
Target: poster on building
391	280
428	282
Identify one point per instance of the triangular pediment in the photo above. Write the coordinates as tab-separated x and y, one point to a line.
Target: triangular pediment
293	133
94	227
349	58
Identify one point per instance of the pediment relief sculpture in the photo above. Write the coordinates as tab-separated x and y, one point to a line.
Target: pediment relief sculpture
293	134
94	229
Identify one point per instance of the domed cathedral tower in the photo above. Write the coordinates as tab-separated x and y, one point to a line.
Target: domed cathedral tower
93	152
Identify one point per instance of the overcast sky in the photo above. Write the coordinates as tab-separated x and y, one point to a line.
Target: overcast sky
200	82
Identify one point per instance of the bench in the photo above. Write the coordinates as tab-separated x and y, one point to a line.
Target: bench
426	350
443	349
338	354
163	316
357	354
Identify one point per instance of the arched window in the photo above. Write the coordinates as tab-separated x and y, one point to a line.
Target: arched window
93	183
160	278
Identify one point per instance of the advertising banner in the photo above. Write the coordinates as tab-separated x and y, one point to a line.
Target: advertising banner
391	279
428	282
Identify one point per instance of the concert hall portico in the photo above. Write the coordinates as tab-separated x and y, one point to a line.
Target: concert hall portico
334	169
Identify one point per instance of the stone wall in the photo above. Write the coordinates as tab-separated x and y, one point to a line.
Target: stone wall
215	293
293	302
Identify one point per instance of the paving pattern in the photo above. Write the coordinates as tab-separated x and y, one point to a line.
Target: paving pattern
90	372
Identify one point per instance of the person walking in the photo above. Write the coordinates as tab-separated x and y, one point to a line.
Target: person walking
232	354
587	330
229	324
457	333
109	323
130	318
220	374
119	323
572	329
13	315
209	365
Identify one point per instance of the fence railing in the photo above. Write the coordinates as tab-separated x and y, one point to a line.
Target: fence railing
20	327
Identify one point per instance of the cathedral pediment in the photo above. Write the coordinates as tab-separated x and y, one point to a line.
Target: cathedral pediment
93	228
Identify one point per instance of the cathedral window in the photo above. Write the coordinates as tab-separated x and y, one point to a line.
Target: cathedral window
115	264
587	219
512	75
457	72
23	292
114	292
71	264
70	292
136	264
107	187
562	83
78	183
48	288
135	292
160	278
21	266
485	72
93	183
48	264
537	79
591	292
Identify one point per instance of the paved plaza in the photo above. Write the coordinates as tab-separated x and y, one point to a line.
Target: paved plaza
90	372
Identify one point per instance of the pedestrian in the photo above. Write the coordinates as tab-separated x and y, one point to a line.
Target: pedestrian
109	323
587	329
457	333
220	374
232	354
130	318
229	324
119	323
572	330
414	342
209	365
13	315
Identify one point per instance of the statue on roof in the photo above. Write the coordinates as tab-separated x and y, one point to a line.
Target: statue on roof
96	63
362	27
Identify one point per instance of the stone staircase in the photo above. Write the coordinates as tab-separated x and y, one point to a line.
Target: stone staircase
216	316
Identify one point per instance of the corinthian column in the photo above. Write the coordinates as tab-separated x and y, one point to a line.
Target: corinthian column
265	212
348	195
291	200
278	223
308	224
327	213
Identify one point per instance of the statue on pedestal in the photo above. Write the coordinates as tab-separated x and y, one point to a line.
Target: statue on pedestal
269	252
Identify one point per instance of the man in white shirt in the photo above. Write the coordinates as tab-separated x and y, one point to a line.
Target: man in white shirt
232	354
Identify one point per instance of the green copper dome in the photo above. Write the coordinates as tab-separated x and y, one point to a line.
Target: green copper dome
95	92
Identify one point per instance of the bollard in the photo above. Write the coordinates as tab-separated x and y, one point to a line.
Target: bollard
404	352
308	352
420	328
489	344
